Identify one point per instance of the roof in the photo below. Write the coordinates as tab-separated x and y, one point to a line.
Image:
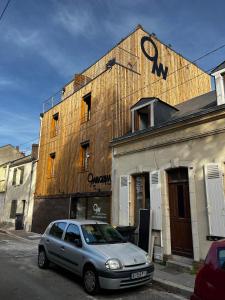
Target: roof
194	107
146	100
219	67
22	161
196	104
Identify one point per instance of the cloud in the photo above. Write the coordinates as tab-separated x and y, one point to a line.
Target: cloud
76	21
5	82
16	125
40	44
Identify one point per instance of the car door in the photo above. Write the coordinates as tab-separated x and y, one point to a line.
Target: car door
54	242
73	250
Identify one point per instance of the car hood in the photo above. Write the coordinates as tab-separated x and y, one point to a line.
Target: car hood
127	253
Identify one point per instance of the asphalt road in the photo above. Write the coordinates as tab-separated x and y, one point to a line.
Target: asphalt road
21	279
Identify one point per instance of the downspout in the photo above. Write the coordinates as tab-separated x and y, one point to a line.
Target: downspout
29	196
6	185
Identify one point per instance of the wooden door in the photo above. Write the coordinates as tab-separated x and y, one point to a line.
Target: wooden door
180	216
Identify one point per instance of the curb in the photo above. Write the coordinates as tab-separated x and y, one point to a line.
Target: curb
15	236
174	287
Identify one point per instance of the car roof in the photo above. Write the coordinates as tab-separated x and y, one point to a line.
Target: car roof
80	221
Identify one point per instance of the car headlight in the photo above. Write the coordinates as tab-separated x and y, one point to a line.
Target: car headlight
113	264
148	258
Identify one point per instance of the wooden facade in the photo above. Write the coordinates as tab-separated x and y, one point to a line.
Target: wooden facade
116	82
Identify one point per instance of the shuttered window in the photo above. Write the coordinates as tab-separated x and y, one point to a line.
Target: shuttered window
124	197
215	199
156	200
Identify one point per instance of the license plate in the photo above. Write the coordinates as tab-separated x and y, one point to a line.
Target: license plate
138	275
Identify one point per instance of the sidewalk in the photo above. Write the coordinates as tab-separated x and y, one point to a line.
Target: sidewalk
21	234
178	282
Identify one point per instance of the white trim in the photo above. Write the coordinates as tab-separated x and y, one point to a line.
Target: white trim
143	105
218	72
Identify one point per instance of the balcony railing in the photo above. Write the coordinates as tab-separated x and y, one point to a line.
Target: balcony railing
119	56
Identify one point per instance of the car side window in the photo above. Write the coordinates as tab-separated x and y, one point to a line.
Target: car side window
221	258
72	234
57	229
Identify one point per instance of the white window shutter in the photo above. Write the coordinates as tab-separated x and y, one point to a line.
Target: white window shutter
124	200
215	199
156	200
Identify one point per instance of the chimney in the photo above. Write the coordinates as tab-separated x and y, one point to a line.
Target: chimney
34	152
219	75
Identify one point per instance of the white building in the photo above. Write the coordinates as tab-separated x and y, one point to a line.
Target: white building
20	189
8	153
173	162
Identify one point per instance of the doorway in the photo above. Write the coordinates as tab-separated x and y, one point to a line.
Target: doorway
180	215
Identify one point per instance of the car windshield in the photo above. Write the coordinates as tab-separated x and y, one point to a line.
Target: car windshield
101	234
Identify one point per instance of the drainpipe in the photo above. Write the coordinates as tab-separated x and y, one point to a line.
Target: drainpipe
29	195
6	185
41	118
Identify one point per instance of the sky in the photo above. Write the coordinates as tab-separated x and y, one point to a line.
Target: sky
44	43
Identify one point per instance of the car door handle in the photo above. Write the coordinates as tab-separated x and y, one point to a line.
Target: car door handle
62	248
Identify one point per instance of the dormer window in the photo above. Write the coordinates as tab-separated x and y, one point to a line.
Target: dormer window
142	118
149	112
142	114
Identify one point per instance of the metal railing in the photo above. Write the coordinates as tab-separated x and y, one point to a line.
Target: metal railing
119	56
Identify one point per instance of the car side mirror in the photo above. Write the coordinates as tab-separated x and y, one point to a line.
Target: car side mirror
78	243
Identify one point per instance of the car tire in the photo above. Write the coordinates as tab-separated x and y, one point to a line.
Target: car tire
90	281
43	261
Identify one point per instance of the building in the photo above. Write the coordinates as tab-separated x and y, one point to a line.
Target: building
75	161
8	153
20	189
175	165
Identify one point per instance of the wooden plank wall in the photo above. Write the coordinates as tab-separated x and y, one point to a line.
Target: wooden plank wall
113	93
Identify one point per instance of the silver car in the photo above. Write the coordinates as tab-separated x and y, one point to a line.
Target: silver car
96	252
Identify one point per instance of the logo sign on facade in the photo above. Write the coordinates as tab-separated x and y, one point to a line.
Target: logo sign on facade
93	180
157	68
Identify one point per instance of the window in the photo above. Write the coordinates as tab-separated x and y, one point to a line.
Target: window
51	165
84	156
57	230
21	173
13	209
55	125
72	233
14	176
221	257
142	118
86	108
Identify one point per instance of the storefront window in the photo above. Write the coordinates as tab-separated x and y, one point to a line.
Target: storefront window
93	208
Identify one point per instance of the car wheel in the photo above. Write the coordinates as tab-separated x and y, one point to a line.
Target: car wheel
90	281
43	261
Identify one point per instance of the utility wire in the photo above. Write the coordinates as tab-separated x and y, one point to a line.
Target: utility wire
4	10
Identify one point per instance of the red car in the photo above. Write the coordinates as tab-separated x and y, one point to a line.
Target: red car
210	280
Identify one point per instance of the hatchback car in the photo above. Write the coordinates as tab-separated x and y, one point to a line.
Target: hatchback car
96	252
210	280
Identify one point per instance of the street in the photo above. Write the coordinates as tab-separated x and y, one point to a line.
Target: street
20	278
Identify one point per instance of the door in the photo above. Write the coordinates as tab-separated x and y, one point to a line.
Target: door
180	216
73	253
54	242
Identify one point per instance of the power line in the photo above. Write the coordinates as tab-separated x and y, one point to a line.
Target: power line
120	112
185	66
4	10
